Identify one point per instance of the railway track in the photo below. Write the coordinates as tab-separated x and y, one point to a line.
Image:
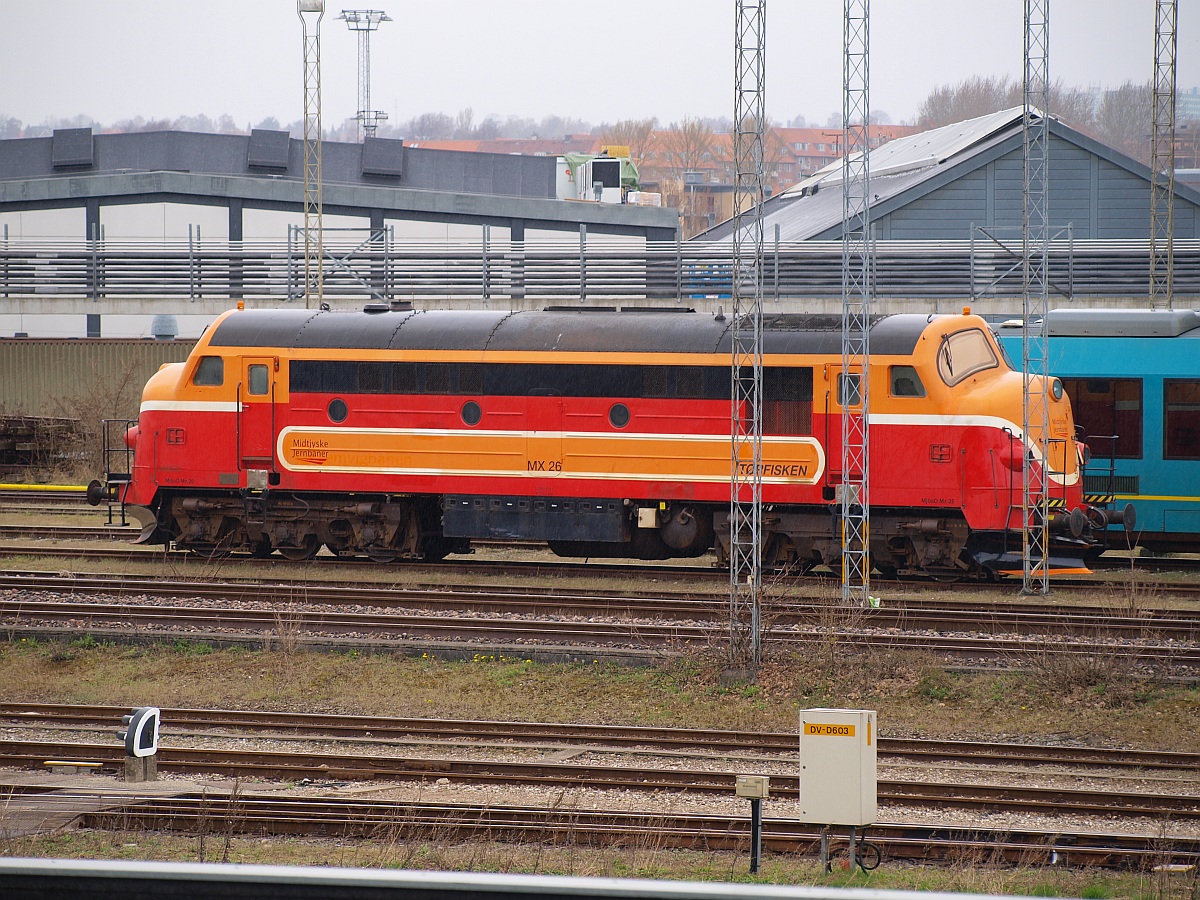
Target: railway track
259	815
524	622
528	637
266	763
695	741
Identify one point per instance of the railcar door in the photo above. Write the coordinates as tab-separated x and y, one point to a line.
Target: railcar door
840	392
256	413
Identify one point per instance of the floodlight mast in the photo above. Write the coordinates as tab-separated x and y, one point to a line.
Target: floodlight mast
311	13
364	21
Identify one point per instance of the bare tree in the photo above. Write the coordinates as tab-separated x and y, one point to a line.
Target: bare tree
464	124
686	145
431	126
968	99
632	133
1123	119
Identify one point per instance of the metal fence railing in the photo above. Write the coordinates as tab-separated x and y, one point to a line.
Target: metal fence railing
564	269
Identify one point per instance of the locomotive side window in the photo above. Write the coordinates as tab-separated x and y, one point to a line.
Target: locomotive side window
787	400
1181	419
906	382
509	379
1109	410
210	372
964	353
257	382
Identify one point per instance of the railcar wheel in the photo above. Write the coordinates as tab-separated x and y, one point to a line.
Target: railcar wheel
382	554
307	549
945	576
210	551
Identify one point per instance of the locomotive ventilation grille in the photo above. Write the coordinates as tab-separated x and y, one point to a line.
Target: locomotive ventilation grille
1103	487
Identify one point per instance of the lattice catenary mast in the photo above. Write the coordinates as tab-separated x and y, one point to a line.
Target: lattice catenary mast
311	12
854	384
364	21
745	501
1035	236
1162	158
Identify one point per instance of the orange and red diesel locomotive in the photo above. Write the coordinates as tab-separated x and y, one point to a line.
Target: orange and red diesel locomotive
408	434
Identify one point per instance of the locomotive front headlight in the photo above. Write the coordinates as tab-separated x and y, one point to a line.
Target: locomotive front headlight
1056	389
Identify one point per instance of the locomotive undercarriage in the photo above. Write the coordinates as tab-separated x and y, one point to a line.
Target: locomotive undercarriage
901	544
384	528
393	527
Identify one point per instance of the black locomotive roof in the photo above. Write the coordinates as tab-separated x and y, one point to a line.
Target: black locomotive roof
540	331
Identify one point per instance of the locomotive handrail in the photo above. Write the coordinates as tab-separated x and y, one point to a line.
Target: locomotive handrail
556	268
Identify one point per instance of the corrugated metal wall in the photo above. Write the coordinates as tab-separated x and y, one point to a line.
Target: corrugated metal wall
1098	199
95	378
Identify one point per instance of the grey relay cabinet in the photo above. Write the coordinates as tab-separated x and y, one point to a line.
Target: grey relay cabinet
837	766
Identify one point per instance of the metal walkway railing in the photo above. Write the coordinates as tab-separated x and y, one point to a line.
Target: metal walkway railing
558	269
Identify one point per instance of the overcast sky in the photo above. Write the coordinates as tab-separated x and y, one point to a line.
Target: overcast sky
599	62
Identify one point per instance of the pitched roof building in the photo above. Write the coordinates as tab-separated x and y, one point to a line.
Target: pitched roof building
940	184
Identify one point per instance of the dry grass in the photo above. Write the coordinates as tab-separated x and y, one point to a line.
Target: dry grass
912	692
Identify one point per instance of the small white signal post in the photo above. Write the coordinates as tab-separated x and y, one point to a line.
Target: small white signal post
838	784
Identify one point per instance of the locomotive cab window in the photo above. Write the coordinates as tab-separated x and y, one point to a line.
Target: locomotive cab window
905	382
964	353
257	382
210	372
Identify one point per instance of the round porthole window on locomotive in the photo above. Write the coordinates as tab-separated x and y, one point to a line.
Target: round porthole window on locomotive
618	415
471	413
1056	389
338	409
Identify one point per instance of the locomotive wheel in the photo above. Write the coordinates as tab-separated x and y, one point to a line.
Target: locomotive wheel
381	554
210	551
307	550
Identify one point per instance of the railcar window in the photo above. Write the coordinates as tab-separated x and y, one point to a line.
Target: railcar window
787	400
257	383
1181	419
964	353
210	372
1109	410
906	382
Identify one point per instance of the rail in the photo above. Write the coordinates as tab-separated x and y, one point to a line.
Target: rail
565	270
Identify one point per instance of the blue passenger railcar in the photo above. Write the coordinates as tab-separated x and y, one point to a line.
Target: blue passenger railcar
1133	377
